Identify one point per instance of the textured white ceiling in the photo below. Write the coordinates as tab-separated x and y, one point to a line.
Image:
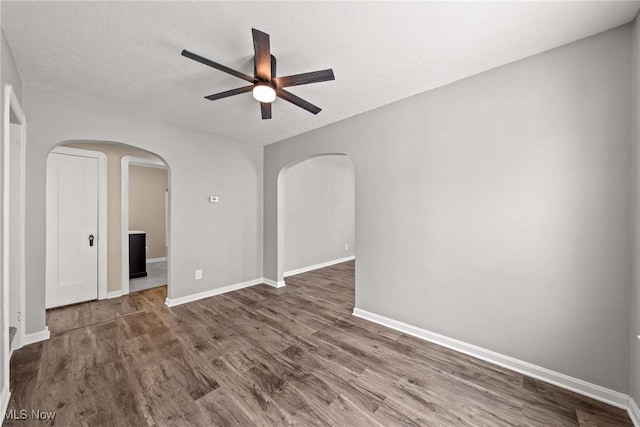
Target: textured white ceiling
128	53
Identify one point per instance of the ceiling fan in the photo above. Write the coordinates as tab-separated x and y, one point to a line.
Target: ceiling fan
264	84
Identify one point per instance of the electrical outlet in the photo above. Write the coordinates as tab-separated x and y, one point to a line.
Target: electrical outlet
346	246
198	274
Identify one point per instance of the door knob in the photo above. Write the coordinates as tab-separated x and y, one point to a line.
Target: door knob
91	239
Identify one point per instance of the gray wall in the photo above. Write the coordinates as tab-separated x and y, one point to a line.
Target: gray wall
497	210
8	75
222	239
635	300
319	211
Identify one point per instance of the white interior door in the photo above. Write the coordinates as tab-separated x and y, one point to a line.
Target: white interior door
72	229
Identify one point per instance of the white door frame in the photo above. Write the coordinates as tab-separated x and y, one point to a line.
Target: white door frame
11	104
124	213
102	215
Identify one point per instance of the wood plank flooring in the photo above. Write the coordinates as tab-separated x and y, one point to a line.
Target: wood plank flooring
265	356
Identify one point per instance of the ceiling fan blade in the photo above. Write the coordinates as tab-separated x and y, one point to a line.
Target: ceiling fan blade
296	100
265	109
262	50
228	93
305	78
217	66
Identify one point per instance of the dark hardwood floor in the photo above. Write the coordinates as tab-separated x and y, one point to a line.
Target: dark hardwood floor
266	356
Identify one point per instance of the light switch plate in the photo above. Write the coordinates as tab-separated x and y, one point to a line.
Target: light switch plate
213	199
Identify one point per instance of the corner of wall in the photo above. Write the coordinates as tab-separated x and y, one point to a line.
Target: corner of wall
9	67
635	288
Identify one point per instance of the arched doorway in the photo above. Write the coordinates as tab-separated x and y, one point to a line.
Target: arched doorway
108	241
316	214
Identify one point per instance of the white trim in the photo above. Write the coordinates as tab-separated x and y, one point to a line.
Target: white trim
124	214
278	284
37	336
152	260
5	394
576	385
634	412
317	266
172	302
102	211
114	294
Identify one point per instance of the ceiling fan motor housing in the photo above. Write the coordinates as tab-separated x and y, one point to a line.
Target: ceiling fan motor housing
273	70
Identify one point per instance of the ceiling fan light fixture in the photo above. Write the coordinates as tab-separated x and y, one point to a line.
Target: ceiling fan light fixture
264	93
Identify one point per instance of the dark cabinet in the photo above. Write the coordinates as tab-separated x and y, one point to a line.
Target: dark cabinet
137	254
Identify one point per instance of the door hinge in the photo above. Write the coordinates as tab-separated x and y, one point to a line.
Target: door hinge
19	316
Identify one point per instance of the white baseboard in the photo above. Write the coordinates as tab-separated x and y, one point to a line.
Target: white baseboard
172	302
36	336
634	412
152	260
114	294
579	386
317	266
4	401
278	284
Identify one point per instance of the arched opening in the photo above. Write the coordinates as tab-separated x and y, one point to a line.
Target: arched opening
316	219
97	192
